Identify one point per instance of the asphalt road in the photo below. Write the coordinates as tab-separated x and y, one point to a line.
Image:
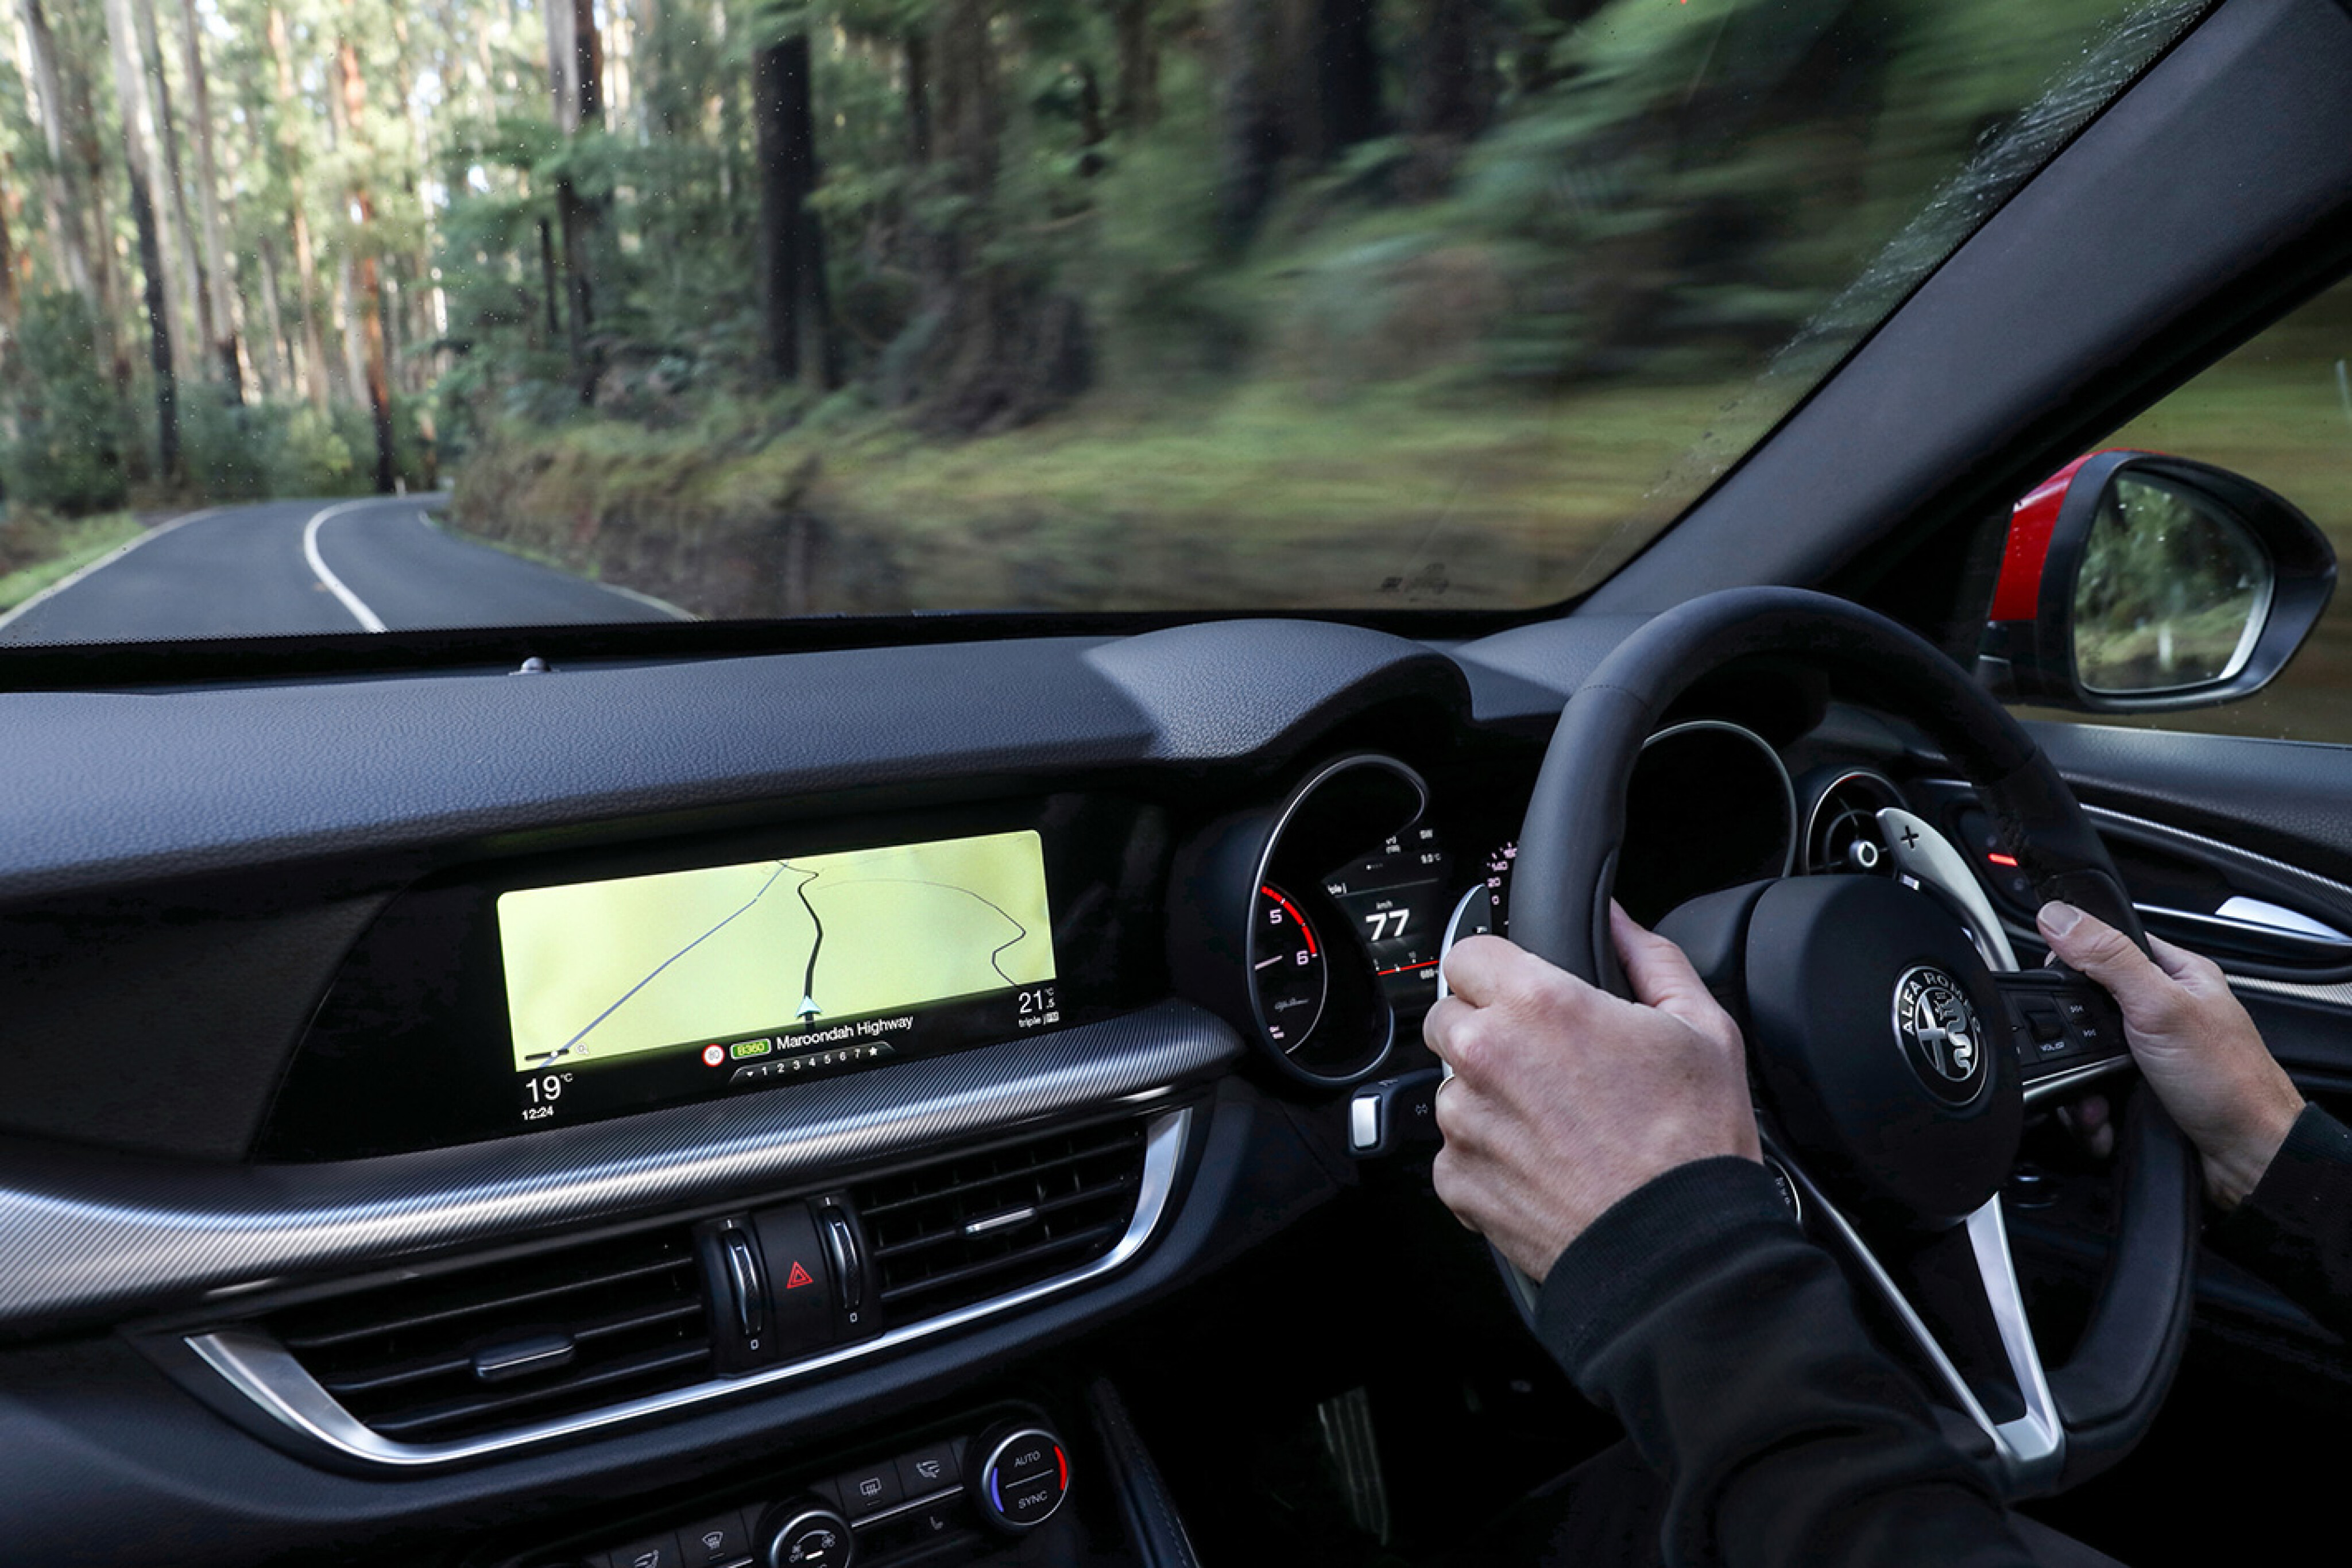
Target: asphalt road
293	568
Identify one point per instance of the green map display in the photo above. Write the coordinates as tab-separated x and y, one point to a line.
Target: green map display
602	971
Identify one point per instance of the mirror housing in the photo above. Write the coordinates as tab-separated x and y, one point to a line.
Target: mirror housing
2246	576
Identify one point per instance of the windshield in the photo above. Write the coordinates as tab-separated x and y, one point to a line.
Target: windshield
324	315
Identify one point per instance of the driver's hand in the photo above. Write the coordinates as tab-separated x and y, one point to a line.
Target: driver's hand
2193	1040
1565	1098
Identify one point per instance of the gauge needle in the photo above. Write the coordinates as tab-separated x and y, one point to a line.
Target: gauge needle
1275	959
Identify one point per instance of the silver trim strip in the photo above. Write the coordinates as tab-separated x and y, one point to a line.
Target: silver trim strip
266	1373
2028	1449
85	1232
2284	925
2040	1089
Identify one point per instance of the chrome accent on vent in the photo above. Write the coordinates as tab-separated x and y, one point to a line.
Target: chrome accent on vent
267	1374
85	1232
450	1354
960	1229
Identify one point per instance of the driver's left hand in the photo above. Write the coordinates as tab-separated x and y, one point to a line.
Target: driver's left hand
1566	1099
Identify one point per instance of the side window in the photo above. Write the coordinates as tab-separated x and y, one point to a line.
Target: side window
2278	411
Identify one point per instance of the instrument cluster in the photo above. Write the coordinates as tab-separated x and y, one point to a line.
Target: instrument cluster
1328	916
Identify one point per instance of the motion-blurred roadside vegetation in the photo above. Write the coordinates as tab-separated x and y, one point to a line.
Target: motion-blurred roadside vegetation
778	306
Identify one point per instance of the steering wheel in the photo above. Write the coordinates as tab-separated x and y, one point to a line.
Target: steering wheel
1883	1047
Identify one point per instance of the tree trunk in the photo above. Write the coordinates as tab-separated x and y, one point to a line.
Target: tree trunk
1348	76
1139	64
9	303
179	236
370	303
919	98
60	208
796	303
143	163
200	106
306	262
547	284
1253	136
281	374
575	76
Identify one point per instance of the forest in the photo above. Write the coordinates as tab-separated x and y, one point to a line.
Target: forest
774	307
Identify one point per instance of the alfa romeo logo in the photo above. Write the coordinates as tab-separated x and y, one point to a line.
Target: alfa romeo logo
1936	1025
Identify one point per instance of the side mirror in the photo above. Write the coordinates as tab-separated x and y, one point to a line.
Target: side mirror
2136	582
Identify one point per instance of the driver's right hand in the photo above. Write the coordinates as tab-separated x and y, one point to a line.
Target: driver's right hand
2194	1043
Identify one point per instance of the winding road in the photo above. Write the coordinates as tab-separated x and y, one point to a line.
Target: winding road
295	568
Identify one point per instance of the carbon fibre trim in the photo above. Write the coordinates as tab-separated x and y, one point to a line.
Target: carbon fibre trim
261	1370
84	1232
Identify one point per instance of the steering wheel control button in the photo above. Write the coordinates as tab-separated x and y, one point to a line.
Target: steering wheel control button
800	1280
2059	1020
929	1470
1022	1476
805	1535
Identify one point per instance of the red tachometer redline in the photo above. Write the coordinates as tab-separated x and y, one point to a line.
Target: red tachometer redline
1286	970
1305	930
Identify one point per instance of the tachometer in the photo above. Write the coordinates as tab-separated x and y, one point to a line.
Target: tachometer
1290	978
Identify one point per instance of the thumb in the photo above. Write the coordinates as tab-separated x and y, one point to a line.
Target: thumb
2105	955
1660	972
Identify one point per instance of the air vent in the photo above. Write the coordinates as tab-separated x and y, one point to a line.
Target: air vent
943	1236
524	1340
1843	832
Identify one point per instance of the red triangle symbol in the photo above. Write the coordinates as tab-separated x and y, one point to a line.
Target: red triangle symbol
797	1278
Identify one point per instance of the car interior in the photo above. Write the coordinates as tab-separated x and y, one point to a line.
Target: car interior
315	1247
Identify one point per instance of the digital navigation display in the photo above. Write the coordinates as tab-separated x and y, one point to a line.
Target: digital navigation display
647	987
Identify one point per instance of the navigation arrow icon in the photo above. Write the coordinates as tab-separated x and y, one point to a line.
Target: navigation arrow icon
809	1008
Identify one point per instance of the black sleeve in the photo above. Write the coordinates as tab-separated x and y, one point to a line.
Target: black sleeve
1728	1344
2294	1228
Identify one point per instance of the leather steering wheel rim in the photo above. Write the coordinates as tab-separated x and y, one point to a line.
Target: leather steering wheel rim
2107	1394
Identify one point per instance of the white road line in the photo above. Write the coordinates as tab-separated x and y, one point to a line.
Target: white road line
109	559
647	599
368	619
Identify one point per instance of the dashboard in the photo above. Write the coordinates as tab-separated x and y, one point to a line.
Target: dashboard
671	1079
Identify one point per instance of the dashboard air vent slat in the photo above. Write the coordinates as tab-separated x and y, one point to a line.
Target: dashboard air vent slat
945	1235
402	1357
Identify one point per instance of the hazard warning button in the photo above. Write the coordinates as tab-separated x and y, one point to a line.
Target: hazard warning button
800	1279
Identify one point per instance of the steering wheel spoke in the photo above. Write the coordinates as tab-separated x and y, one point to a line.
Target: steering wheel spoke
1955	1296
2064	1028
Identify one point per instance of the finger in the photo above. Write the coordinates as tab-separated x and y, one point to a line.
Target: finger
1661	972
1443	1025
1482	969
2091	1113
2105	954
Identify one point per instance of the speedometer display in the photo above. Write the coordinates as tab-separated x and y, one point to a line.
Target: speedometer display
1398	898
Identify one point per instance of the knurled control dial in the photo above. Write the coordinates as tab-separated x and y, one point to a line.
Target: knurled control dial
1019	1475
804	1535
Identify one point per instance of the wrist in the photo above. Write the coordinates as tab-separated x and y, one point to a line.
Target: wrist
2234	1167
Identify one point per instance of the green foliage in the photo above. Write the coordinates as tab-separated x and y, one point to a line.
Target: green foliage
66	450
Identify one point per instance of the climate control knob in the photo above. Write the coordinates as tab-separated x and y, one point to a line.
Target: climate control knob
805	1533
1021	1473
